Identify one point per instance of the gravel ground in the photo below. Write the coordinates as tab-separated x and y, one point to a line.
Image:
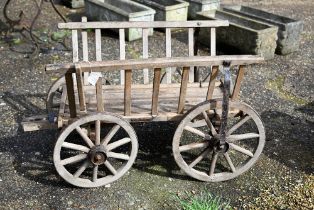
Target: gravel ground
281	90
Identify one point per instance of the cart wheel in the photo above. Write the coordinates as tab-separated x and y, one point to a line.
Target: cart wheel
54	95
196	148
97	160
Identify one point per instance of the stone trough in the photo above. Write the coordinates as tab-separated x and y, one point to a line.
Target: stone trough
120	10
201	6
248	36
168	10
73	3
289	30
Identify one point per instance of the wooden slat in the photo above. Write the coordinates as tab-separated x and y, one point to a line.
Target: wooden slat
71	96
238	82
85	49
75	46
157	63
99	95
191	52
156	86
127	92
145	53
168	55
184	83
98	44
80	88
196	46
122	52
212	81
145	24
213	41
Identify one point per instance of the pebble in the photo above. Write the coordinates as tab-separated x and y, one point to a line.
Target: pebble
108	185
70	203
3	104
37	153
1	180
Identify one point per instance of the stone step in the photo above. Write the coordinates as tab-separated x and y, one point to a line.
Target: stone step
201	6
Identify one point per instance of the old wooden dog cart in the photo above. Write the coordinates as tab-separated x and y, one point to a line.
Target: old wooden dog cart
217	138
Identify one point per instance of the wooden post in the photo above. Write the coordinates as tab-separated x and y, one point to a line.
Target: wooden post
99	95
71	96
183	87
85	49
191	52
238	82
212	80
168	54
145	52
122	51
80	87
156	85
127	92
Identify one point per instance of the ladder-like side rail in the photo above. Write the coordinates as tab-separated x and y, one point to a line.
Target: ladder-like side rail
156	64
192	26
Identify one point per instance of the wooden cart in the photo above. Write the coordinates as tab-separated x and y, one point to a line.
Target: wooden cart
217	138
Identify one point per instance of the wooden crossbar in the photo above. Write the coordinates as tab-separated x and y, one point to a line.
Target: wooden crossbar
144	24
155	63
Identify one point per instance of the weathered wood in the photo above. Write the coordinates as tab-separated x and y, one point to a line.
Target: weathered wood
238	82
122	52
156	85
156	63
184	83
85	49
127	92
191	52
80	88
168	54
98	44
144	24
213	41
75	46
212	81
71	96
99	95
145	53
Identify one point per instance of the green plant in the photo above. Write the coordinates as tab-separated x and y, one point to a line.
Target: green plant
203	201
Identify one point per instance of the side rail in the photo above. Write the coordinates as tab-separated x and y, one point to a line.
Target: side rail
145	26
154	63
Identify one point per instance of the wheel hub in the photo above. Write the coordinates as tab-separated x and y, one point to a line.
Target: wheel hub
97	155
218	146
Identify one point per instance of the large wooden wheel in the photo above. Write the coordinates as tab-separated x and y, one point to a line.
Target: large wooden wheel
91	152
196	146
54	95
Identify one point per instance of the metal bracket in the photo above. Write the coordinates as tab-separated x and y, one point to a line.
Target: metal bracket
225	104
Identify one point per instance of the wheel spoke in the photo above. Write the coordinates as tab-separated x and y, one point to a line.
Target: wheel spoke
118	156
213	164
75	147
97	125
209	123
74	159
195	131
111	133
230	162
241	149
111	168
95	172
118	143
194	145
199	158
237	137
81	169
238	124
84	136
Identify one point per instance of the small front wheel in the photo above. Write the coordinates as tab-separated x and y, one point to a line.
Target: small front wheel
95	150
197	148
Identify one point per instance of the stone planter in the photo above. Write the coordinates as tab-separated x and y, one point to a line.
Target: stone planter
73	3
248	36
168	10
289	30
120	10
201	5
